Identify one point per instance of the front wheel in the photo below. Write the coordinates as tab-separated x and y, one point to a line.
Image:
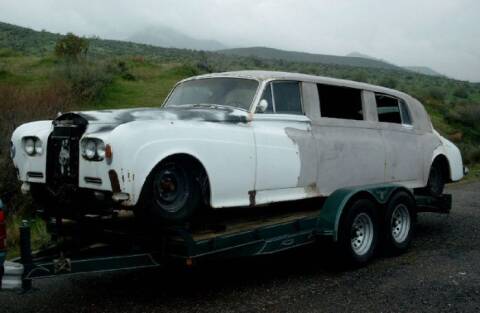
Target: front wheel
358	233
174	193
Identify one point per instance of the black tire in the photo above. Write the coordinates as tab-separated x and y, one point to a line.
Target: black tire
398	223
436	181
173	194
348	249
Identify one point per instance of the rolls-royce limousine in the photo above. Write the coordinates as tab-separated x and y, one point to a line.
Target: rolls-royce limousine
235	139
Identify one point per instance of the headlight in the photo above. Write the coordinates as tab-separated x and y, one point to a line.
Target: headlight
93	149
31	145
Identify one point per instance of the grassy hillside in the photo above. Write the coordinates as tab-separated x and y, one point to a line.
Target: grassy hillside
293	56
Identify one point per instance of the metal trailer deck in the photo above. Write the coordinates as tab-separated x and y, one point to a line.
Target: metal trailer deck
100	244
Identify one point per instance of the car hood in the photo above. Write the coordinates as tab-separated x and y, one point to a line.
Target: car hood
113	118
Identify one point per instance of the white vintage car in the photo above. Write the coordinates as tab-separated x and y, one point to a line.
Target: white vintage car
234	139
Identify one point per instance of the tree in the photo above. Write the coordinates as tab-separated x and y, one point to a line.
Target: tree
71	47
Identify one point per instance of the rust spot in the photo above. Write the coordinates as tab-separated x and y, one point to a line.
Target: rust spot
114	181
252	194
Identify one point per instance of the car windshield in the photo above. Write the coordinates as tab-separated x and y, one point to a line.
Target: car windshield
235	92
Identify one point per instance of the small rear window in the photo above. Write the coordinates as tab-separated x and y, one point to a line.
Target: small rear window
388	109
392	110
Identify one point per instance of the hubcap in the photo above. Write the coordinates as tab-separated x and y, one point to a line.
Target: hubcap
400	223
362	234
170	190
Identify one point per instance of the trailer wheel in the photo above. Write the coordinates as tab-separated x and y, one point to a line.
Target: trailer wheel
358	233
398	223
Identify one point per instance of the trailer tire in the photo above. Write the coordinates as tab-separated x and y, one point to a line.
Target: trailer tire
398	223
358	233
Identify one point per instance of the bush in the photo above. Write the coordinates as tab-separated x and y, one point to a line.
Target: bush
88	81
461	92
19	106
467	114
437	93
71	47
389	83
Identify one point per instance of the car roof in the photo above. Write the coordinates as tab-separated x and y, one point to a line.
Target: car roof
274	75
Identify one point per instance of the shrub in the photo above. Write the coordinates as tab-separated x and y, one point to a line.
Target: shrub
467	114
71	47
389	83
18	106
461	92
88	81
437	93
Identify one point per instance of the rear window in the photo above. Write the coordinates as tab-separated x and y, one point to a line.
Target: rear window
392	110
340	102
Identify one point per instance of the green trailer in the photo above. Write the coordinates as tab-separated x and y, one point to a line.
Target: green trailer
358	221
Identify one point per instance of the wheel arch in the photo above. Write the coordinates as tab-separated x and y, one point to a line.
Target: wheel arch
183	156
442	159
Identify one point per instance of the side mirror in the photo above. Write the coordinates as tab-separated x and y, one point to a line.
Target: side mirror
262	106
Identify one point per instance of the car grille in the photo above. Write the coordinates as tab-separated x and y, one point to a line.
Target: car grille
63	155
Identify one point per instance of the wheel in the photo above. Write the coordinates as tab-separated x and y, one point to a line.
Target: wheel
358	233
174	193
398	223
436	181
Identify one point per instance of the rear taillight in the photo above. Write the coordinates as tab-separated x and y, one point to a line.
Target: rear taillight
3	231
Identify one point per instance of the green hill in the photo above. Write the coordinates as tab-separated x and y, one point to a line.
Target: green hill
293	56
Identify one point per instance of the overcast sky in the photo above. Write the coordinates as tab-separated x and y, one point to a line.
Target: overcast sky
441	34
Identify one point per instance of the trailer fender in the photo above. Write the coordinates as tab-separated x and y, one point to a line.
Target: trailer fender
339	200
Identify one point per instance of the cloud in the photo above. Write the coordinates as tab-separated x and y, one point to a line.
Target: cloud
441	34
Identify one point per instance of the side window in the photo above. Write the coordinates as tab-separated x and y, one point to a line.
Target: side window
287	97
388	109
283	97
340	102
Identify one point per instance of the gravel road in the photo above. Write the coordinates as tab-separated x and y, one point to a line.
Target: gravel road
441	272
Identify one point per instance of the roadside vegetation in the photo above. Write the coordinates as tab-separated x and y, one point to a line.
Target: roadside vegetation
42	74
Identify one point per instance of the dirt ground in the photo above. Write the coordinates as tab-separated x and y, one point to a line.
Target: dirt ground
440	273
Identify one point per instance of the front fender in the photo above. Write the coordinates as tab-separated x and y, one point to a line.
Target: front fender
225	150
25	163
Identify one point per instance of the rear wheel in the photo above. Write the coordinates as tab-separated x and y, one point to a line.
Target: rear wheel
358	233
436	181
398	223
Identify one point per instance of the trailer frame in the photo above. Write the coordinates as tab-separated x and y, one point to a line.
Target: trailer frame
95	247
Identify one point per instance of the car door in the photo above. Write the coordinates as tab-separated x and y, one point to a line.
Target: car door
349	143
403	153
285	149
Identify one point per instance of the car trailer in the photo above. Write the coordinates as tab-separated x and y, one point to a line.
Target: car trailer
100	244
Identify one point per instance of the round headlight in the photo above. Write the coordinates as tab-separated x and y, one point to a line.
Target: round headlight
101	150
38	146
90	149
29	145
